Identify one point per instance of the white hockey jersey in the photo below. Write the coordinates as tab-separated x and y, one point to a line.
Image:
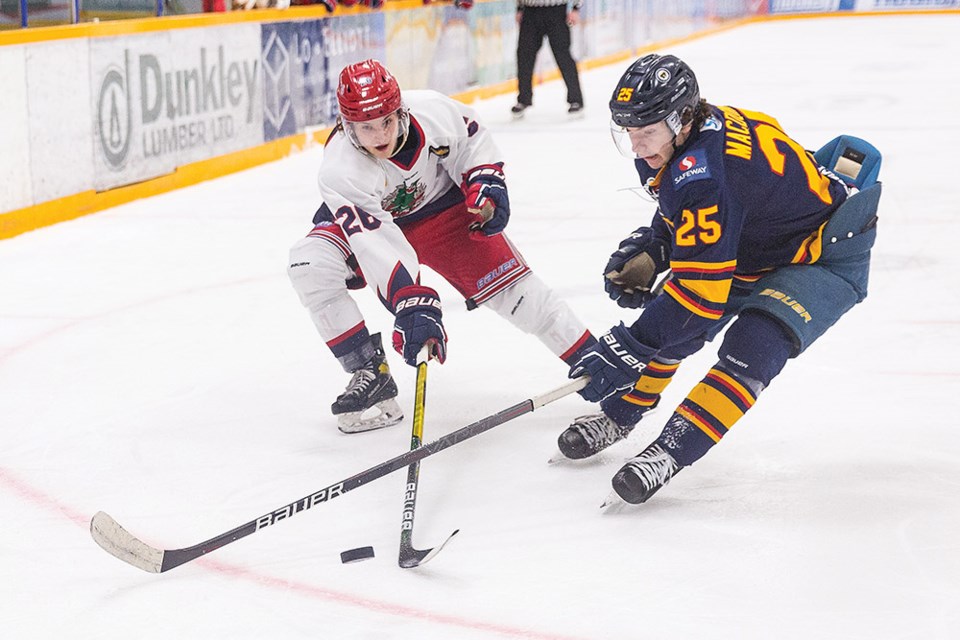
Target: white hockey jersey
372	199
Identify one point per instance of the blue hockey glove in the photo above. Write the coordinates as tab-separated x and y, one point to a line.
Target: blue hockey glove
418	322
614	364
486	196
632	269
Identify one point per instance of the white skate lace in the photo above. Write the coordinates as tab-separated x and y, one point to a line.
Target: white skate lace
596	429
359	382
654	467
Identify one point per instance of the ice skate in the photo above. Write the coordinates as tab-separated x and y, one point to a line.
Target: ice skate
369	401
643	475
518	109
589	435
575	111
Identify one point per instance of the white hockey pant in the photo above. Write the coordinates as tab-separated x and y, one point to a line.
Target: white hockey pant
531	306
318	272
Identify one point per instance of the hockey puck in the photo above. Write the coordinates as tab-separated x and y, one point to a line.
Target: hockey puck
356	555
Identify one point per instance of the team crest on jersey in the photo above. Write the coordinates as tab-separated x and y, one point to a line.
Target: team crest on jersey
690	167
404	199
440	152
711	124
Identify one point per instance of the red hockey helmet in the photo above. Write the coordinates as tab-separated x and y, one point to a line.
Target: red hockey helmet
367	91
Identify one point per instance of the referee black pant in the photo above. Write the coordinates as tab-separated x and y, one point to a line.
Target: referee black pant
536	23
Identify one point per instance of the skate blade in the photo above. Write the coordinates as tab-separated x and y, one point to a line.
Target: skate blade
613	503
558	459
383	414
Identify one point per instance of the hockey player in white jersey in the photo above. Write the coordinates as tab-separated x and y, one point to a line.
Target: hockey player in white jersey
410	180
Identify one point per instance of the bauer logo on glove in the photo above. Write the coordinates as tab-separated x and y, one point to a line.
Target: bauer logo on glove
417	301
418	322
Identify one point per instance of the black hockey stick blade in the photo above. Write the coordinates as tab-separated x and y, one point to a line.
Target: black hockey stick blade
122	544
410	557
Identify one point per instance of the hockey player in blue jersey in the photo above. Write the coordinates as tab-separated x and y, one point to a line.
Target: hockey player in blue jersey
754	230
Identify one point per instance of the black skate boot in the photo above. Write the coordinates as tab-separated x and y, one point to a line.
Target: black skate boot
371	388
589	435
644	474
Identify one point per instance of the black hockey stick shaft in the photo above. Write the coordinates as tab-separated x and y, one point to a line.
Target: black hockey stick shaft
123	545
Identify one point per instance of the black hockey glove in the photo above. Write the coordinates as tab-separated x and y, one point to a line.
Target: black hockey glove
486	196
614	364
633	268
418	322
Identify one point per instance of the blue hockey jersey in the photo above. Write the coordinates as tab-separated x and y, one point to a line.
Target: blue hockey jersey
738	199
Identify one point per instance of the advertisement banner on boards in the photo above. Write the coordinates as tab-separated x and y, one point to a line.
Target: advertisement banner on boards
225	109
609	29
495	34
810	6
301	67
902	5
165	99
298	90
452	67
434	47
350	39
411	41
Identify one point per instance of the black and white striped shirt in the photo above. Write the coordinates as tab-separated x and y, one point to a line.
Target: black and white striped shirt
548	3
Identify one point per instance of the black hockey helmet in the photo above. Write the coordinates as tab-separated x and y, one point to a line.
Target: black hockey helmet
655	88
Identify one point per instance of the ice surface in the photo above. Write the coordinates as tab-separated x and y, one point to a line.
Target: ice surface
155	363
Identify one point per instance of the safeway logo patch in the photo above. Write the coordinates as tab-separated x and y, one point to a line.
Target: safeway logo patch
690	168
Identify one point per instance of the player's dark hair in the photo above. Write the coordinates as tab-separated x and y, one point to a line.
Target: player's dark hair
697	115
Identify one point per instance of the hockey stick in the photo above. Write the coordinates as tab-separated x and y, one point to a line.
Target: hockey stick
661	282
121	544
409	556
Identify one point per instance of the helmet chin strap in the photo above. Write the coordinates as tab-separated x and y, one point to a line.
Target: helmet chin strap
401	140
403	117
673	143
675	124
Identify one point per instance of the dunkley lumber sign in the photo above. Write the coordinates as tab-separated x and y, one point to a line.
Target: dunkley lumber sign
168	99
